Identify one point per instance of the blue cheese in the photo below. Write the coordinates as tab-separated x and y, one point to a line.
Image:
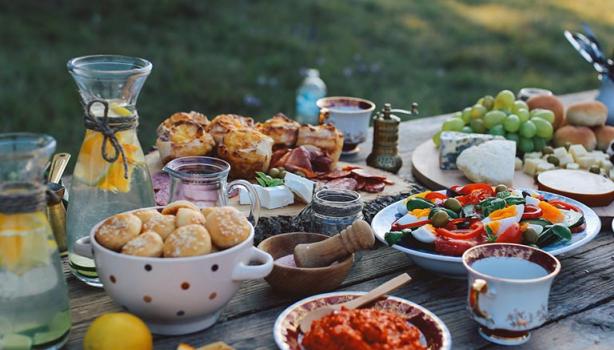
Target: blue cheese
453	143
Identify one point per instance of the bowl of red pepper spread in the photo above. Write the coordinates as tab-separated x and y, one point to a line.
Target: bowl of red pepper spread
386	324
362	329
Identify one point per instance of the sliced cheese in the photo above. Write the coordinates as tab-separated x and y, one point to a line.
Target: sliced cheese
573	166
492	162
586	161
560	151
530	166
577	151
303	188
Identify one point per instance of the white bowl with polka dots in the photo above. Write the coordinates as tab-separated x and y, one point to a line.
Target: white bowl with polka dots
176	295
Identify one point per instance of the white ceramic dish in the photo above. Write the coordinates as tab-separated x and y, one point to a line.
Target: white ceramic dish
452	266
176	295
434	332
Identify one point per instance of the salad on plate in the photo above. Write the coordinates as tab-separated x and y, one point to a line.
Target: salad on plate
449	222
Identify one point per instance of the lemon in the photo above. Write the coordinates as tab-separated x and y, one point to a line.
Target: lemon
119	110
24	241
118	331
91	167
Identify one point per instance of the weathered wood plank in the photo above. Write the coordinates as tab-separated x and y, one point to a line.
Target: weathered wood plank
443	296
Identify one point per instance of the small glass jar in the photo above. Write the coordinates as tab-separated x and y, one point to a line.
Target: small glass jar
333	210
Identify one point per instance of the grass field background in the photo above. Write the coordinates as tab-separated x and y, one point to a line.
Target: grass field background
246	57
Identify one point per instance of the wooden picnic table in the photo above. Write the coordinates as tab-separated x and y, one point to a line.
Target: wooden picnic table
581	301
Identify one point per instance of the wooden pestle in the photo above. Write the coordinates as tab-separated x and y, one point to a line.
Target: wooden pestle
358	236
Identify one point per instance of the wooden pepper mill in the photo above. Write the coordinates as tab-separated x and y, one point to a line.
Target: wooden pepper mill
358	236
385	154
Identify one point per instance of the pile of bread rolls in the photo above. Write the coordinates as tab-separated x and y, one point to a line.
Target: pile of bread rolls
583	123
246	145
179	230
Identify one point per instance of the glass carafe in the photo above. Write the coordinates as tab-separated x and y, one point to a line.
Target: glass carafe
111	174
203	181
34	310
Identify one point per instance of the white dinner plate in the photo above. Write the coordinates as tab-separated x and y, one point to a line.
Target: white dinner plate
452	266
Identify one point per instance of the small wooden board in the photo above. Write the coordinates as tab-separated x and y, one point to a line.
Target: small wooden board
399	186
425	168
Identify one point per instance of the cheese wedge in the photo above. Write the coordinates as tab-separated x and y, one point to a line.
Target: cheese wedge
492	162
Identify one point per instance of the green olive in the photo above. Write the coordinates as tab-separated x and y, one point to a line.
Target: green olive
453	204
440	219
274	172
282	173
595	170
500	188
567	145
300	173
553	160
530	235
548	150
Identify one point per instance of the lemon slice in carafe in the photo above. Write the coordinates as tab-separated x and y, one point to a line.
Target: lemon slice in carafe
24	241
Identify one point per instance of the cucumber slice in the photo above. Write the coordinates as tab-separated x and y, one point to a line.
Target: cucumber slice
15	342
540	222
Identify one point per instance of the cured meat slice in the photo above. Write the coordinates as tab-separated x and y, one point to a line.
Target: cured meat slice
277	156
298	158
321	163
343	184
374	187
367	175
336	174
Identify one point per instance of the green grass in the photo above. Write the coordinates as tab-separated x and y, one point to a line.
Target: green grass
212	56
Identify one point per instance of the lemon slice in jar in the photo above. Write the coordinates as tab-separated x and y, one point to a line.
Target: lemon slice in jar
91	167
24	241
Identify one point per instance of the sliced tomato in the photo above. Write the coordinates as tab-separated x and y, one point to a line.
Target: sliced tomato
578	228
454	247
482	187
512	234
399	227
432	196
564	205
531	212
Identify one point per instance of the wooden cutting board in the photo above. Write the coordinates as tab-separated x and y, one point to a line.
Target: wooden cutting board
399	186
425	168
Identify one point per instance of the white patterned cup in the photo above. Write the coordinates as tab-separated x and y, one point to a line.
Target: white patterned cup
351	115
509	285
176	295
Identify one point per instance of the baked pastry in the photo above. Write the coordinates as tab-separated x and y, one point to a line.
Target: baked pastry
593	113
575	135
173	207
148	244
146	214
118	230
187	216
163	225
605	135
326	137
247	151
189	240
183	134
551	103
223	123
227	227
283	130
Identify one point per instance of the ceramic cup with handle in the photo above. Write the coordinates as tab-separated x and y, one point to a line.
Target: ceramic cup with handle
509	285
351	115
176	295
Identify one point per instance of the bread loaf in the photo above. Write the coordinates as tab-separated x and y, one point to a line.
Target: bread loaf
593	113
575	135
605	135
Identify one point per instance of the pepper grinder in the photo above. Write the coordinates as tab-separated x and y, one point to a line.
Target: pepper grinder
385	154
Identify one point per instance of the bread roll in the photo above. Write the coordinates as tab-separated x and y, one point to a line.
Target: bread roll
147	244
187	216
190	240
605	135
552	103
575	135
593	113
247	151
118	230
283	130
173	207
227	226
146	214
163	225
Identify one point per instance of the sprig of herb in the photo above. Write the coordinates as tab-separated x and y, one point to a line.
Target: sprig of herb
265	180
